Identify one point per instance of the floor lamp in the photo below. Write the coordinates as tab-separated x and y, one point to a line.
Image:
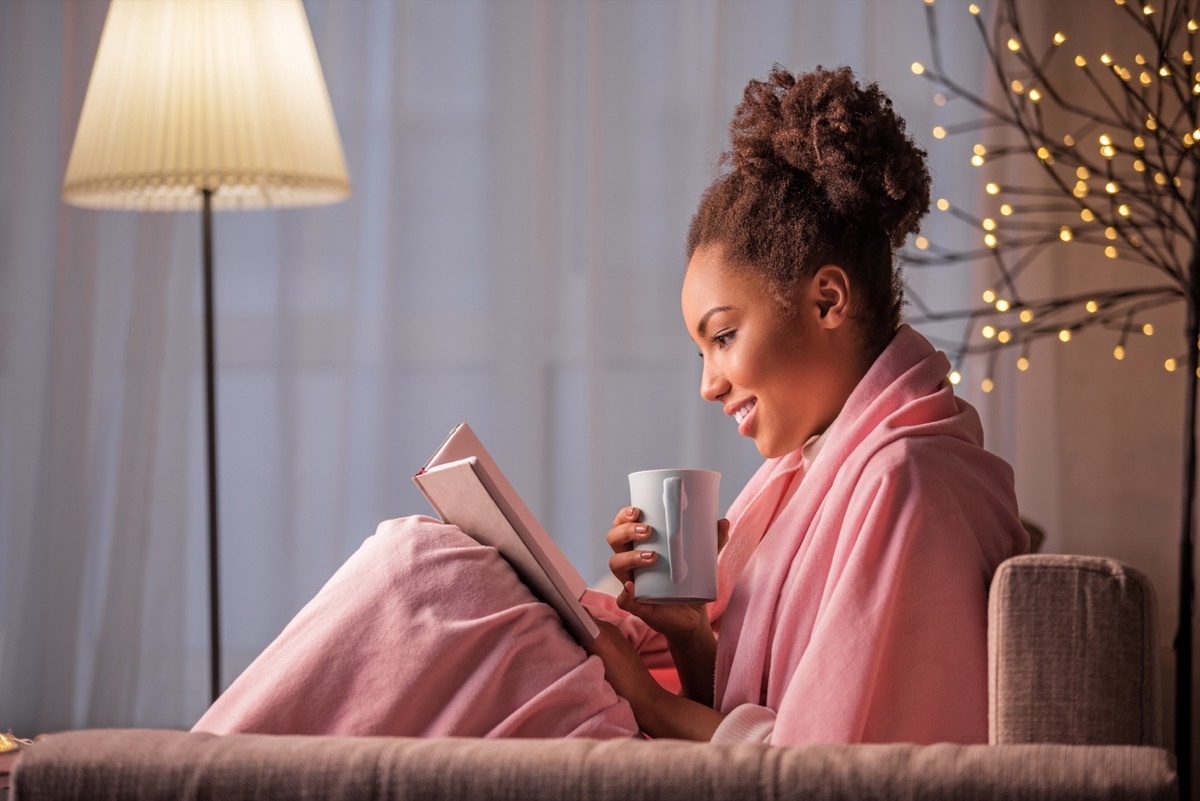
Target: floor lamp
209	105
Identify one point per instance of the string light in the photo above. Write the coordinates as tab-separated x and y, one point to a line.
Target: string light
1139	143
1065	335
979	150
1065	234
1017	86
988	332
1023	364
1059	38
987	385
1004	337
1014	45
955	377
974	9
918	68
1043	153
1092	306
1139	165
939	132
1105	59
943	204
1111	252
1080	61
1111	187
989	224
1193	26
1119	352
1123	210
1148	329
1086	215
921	242
1006	209
1069	140
989	240
1001	305
1147	10
1027	315
1170	365
1110	232
1035	95
989	296
993	188
1082	173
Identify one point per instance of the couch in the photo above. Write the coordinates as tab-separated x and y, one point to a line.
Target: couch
1074	713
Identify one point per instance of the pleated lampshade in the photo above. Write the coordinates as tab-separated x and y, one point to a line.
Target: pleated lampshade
187	95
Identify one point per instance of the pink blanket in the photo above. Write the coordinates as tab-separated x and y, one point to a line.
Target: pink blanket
423	632
857	612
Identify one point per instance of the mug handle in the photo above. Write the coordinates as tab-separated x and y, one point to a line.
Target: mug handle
674	502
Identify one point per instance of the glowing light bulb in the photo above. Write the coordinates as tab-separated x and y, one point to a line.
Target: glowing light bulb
1111	187
939	132
1108	151
1080	61
1148	329
1111	252
1017	86
1065	335
1092	306
1139	165
1123	210
1043	153
979	150
1110	232
1086	215
989	224
986	385
1151	123
955	377
974	9
1035	95
1026	315
1145	78
943	204
1139	143
1119	352
1147	10
993	188
1004	337
1160	179
1014	45
1188	58
1022	364
1065	234
1006	209
1069	140
1105	139
1164	71
989	296
918	68
1169	365
1059	38
1105	59
921	242
989	240
1193	26
1001	305
988	332
977	160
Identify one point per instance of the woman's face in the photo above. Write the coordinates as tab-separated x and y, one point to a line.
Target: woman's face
781	376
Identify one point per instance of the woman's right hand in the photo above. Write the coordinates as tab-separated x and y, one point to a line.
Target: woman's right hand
675	621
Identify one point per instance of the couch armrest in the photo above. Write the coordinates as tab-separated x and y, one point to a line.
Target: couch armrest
1072	653
99	765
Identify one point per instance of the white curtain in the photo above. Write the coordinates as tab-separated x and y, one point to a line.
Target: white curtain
524	172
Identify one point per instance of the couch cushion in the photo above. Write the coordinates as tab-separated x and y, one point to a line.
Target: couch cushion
1073	653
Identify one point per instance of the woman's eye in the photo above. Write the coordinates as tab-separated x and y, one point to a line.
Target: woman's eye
723	339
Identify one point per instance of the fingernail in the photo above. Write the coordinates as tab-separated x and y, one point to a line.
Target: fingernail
630	512
646	556
641	529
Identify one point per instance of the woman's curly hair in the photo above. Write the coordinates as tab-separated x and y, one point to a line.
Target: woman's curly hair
819	171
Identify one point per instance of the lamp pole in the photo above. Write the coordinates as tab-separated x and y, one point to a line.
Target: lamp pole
210	412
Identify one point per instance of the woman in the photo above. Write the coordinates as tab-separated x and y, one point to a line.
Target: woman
853	585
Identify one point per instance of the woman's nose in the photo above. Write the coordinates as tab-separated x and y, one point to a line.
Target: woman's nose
712	384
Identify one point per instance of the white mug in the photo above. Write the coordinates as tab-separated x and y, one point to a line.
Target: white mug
681	508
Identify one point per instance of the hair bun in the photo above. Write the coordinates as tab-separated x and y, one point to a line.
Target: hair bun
841	140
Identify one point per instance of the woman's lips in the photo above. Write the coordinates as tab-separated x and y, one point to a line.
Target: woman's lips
743	414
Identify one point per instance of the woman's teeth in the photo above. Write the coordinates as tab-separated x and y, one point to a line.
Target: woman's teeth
741	413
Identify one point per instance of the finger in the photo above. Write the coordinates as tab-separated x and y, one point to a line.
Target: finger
629	514
623	563
623	537
722	533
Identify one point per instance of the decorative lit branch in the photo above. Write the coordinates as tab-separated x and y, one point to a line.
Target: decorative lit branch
1117	144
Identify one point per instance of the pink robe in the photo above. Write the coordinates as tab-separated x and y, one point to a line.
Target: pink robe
852	605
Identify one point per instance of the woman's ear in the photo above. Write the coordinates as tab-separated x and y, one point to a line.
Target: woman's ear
830	293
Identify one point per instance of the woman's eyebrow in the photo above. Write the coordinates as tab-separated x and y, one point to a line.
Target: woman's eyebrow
700	326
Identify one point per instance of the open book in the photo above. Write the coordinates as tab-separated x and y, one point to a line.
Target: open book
467	489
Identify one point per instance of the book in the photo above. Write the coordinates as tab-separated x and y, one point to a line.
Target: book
466	488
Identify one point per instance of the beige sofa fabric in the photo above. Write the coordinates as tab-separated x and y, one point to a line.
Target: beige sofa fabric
127	764
1072	653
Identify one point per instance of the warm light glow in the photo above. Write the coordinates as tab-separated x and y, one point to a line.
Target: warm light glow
1169	365
1164	71
1065	335
989	296
989	224
1110	232
1059	38
993	188
939	99
955	377
1108	151
986	385
1006	210
1092	306
979	150
1080	61
989	240
1018	87
977	160
192	96
1111	252
1119	352
1069	140
1148	329
1187	57
939	132
1026	315
974	9
1035	95
1139	143
921	242
988	332
943	204
1147	10
918	68
1139	58
1004	336
1151	123
1139	165
1082	173
1043	153
1014	45
1022	364
1123	209
1086	215
1065	234
1105	59
1001	305
1160	179
1145	78
1105	139
1111	187
1193	26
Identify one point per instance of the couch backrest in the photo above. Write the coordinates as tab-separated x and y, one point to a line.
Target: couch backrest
1072	653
